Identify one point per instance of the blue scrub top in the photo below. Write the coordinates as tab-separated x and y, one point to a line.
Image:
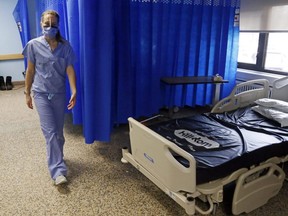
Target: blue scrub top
50	66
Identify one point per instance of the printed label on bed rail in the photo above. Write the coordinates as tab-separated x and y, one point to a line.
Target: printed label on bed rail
196	139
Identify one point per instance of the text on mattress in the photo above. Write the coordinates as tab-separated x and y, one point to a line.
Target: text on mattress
196	139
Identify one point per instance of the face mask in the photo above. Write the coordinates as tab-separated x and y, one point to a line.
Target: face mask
50	32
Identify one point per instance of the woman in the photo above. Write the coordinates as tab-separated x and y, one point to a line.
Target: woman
50	58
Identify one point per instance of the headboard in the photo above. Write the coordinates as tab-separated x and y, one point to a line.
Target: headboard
243	95
280	89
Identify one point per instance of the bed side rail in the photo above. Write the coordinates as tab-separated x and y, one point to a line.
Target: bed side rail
243	95
255	187
155	154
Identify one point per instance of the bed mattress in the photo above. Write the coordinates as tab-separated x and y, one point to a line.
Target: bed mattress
223	143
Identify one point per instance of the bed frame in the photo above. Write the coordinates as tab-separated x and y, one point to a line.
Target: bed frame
152	155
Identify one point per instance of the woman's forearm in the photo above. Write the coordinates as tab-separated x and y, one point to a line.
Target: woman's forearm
30	71
72	79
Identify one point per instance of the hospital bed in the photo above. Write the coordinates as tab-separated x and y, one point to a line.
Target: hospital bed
227	152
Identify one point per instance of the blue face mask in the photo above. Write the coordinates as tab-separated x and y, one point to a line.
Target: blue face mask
50	32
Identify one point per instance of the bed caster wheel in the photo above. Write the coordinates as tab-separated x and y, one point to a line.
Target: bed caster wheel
124	152
123	160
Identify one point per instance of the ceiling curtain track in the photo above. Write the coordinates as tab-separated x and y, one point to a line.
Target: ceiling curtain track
123	49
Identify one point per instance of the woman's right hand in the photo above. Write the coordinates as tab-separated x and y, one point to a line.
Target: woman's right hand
29	101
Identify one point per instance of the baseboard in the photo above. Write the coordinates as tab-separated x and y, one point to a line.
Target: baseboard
18	83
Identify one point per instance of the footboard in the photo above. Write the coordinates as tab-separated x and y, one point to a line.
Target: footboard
155	153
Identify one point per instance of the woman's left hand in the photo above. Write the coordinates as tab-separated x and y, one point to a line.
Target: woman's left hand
72	101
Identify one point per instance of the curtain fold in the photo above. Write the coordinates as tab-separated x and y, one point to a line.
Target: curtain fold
123	49
123	82
97	61
74	38
20	14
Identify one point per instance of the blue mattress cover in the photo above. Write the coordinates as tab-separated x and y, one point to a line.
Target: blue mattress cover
223	143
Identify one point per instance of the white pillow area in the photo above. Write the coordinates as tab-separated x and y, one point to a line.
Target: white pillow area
273	103
274	114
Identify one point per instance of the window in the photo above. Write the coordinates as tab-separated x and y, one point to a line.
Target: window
266	52
248	47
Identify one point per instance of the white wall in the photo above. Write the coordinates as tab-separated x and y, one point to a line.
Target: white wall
10	42
243	75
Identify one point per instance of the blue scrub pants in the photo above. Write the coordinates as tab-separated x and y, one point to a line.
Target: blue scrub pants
51	110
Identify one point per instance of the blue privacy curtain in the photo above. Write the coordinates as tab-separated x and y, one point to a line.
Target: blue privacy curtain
181	38
21	18
124	47
96	42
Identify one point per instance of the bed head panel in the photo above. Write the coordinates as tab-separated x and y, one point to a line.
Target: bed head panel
280	89
243	95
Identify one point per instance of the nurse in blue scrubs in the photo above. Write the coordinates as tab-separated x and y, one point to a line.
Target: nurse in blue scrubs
50	59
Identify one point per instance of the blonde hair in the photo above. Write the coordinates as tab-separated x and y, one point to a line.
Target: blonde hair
52	12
